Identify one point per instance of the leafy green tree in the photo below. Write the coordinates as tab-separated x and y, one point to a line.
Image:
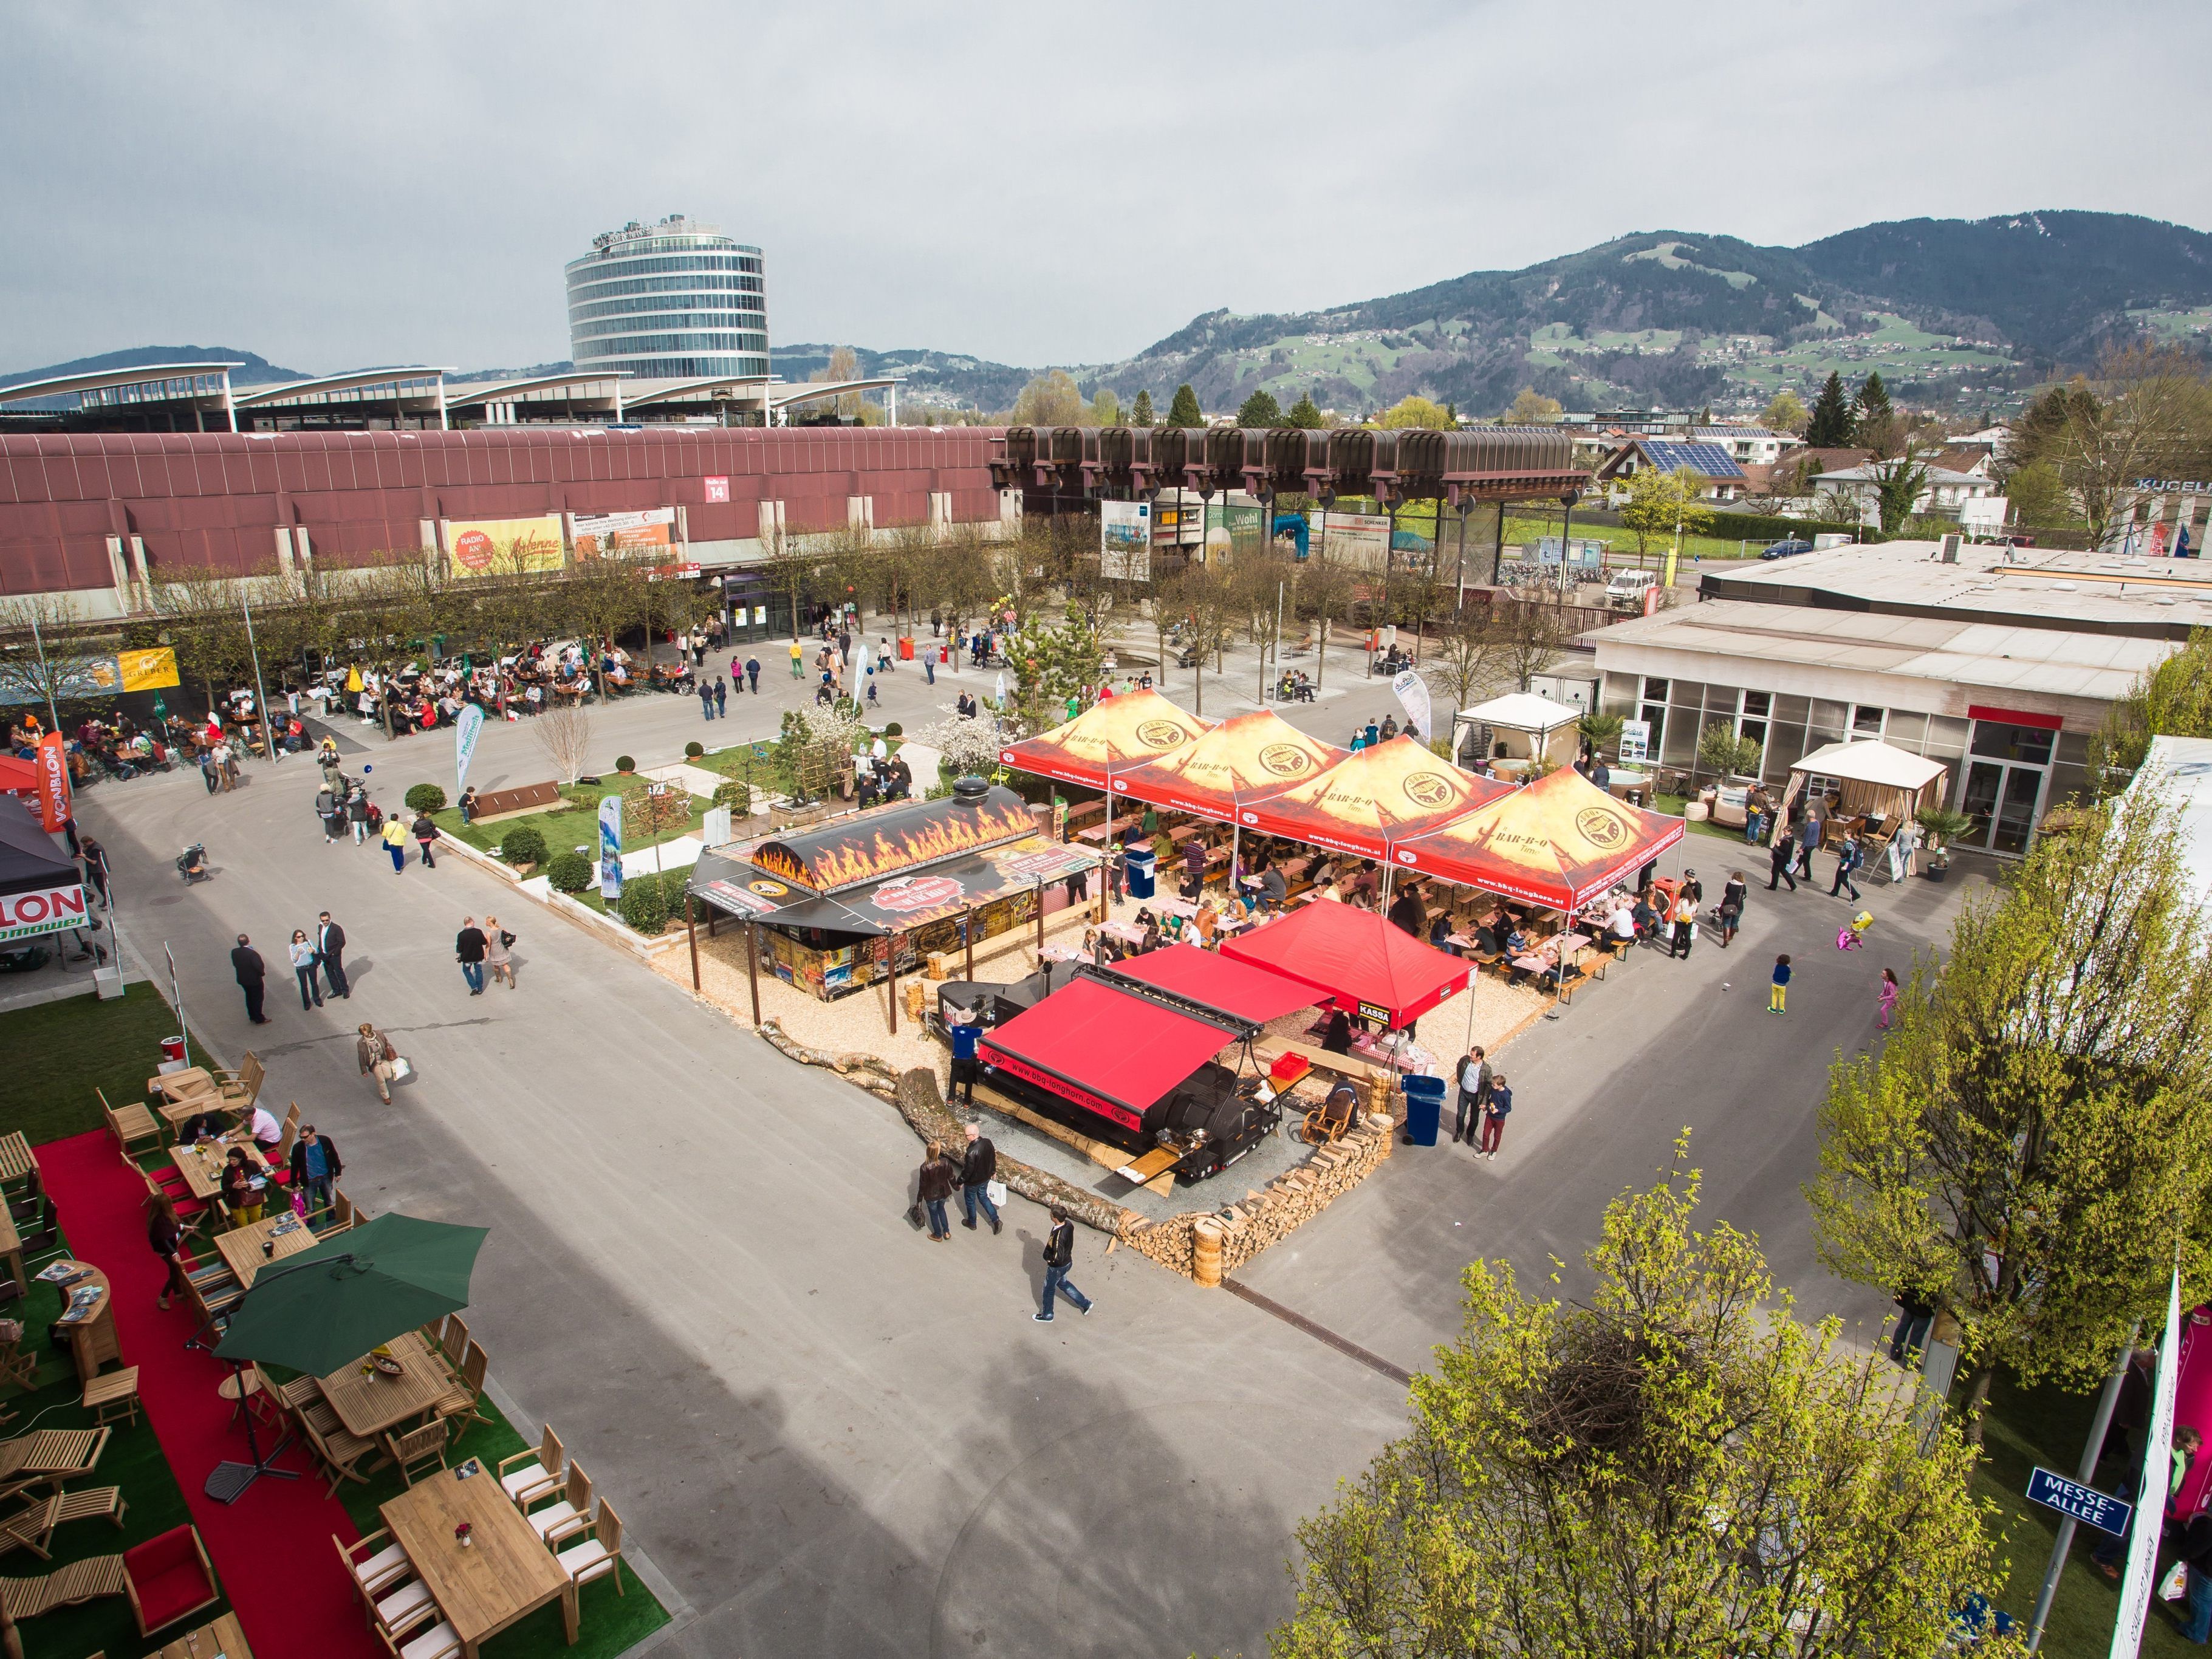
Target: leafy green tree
1305	414
2173	700
1184	410
1259	410
1105	408
524	844
1785	413
1873	399
2039	497
2022	1149
1657	503
1141	413
1532	408
1678	1466
1413	411
1049	400
1898	485
1829	426
571	872
1722	753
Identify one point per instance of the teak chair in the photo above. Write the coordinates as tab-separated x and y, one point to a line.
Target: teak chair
418	1447
461	1408
528	1476
599	1553
569	1512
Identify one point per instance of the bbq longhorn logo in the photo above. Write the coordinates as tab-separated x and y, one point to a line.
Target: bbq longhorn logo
1429	789
1160	734
1285	759
1602	830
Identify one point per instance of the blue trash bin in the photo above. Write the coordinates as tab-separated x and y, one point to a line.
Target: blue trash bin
1140	871
1425	1109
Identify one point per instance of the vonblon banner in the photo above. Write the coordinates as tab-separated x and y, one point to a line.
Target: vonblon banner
466	730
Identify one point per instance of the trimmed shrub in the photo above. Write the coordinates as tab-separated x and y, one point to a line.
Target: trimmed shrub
569	873
894	730
625	763
694	749
426	798
736	795
645	905
523	845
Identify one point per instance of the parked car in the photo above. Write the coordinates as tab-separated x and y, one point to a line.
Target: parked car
1787	549
1625	589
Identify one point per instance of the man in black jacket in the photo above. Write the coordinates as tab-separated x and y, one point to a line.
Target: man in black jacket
468	945
315	1167
246	963
330	950
979	1167
1059	1257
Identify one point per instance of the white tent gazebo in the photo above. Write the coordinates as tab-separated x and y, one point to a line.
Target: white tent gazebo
1523	725
1872	780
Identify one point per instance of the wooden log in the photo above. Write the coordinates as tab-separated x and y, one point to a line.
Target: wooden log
1205	1265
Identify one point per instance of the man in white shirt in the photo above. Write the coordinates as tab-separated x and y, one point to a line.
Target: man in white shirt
268	1134
1621	923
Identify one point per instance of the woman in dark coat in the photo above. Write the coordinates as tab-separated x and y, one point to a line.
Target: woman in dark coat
938	1178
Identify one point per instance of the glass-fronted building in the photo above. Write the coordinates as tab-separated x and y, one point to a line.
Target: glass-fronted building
673	301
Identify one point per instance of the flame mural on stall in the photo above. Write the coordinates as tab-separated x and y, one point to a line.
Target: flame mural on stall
891	839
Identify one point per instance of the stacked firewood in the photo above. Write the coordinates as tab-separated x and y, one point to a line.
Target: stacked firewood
1204	1245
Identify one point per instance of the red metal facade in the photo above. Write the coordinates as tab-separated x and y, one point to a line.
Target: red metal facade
213	499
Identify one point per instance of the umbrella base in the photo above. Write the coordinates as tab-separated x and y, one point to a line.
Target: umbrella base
228	1481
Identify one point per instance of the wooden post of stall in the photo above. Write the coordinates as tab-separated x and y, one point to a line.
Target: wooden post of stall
691	937
1040	909
890	977
752	966
968	933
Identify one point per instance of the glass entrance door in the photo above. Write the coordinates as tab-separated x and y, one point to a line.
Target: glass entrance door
2002	800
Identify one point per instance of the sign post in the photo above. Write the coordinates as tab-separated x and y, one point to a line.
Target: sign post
2107	1513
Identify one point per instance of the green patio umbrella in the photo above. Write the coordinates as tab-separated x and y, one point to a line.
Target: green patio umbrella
328	1306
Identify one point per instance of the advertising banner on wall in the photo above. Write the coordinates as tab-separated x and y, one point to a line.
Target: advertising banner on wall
145	671
41	910
503	547
1125	540
621	532
1231	524
76	674
1361	539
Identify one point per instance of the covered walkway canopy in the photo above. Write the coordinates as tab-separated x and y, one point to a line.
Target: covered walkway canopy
1560	841
192	389
418	391
1239	761
1125	732
1371	800
1364	964
561	396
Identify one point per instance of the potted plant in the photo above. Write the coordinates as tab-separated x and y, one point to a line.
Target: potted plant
1941	826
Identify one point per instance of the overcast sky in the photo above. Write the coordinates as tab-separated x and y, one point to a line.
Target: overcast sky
337	185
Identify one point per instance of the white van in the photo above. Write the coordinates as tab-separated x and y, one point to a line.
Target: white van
1626	589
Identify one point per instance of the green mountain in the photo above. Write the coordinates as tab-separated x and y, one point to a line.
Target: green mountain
254	370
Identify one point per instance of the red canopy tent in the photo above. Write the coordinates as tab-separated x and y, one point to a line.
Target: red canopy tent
1257	995
1365	965
1242	759
18	777
1560	841
1122	732
1110	1052
1371	800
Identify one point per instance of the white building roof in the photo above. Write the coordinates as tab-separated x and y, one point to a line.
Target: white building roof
2182	768
1871	473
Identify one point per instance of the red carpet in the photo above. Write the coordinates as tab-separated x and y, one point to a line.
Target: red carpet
273	1548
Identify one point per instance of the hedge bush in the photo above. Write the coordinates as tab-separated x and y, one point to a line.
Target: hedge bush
1764	529
569	873
625	763
645	904
523	845
694	749
426	798
736	795
894	730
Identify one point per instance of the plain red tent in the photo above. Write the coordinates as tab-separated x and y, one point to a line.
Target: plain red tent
18	777
1111	1052
1238	988
1365	965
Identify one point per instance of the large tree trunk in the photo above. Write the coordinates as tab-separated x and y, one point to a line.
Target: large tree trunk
1977	1398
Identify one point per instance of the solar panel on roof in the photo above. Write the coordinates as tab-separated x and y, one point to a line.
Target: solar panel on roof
1712	459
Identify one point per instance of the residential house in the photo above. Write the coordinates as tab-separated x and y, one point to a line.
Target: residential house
1752	446
1718	475
1792	476
1944	491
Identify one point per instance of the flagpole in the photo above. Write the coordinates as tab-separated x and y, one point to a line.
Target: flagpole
268	720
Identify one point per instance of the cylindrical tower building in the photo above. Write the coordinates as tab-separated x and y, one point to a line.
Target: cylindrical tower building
673	301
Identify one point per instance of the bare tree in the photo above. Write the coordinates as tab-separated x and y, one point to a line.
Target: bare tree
1529	633
1471	658
565	736
2152	419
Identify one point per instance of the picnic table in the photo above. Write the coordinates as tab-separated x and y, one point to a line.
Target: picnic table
241	1246
200	1164
504	1572
369	1402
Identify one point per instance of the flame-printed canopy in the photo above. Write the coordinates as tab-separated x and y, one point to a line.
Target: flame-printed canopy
1129	730
1560	841
1240	760
850	852
1372	800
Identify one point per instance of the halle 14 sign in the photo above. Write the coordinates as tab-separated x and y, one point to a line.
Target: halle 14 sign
41	910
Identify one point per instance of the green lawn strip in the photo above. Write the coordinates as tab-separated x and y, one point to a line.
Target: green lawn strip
1527	531
2023	1427
573	826
611	1622
1672	805
132	1462
59	1051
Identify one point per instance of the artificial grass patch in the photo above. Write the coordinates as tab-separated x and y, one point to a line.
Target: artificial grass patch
59	1051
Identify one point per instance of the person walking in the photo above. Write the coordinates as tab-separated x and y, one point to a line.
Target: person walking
211	774
356	812
1684	918
395	843
302	953
1734	892
167	1240
1777	863
426	834
315	1168
706	699
979	1167
1849	857
797	659
752	674
721	699
1808	837
1059	1257
1889	988
330	952
935	1186
378	1058
964	1030
1495	1110
1473	1085
468	947
497	941
246	963
334	820
1778	995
